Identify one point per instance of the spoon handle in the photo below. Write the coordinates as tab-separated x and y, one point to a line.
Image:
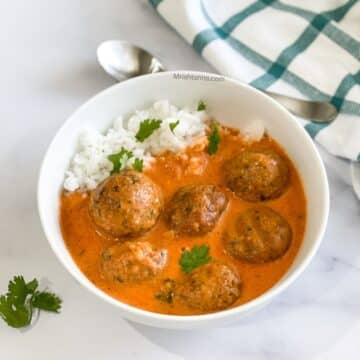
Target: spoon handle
316	111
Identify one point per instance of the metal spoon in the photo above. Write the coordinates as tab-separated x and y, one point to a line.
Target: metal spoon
123	60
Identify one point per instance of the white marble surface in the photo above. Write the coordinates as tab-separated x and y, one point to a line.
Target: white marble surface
48	69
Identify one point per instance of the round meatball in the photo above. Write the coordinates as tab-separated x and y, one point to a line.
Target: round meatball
126	204
257	175
132	261
195	209
258	235
210	287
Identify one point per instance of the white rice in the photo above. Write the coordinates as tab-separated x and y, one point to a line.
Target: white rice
90	164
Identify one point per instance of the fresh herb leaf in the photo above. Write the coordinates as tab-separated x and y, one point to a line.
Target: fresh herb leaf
147	127
138	164
18	289
120	160
173	125
46	301
168	297
214	140
16	307
32	285
191	259
201	106
166	293
14	315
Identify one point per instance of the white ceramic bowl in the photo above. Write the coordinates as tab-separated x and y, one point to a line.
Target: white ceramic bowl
232	103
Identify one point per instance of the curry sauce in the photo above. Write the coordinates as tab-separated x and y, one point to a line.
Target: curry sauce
172	171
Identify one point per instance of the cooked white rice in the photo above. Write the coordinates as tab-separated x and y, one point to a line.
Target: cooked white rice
90	164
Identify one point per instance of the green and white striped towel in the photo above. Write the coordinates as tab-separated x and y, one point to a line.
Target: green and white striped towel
306	49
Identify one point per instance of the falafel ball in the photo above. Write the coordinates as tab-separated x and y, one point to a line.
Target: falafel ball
195	209
258	235
126	204
257	175
210	287
132	261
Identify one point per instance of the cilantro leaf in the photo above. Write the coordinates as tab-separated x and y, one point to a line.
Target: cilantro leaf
214	140
173	125
15	315
191	259
138	164
32	285
46	301
119	160
17	290
201	106
16	307
147	127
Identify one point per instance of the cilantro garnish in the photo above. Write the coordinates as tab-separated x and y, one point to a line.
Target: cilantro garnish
201	106
138	164
46	301
166	293
191	259
120	160
16	306
173	125
214	140
147	127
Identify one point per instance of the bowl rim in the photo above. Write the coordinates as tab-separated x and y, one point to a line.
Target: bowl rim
153	317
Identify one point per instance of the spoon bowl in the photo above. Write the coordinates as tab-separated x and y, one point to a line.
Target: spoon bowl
123	60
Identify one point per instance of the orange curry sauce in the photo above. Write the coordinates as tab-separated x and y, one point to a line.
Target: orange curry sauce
170	172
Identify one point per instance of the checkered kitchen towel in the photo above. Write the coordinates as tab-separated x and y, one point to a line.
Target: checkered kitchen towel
303	48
